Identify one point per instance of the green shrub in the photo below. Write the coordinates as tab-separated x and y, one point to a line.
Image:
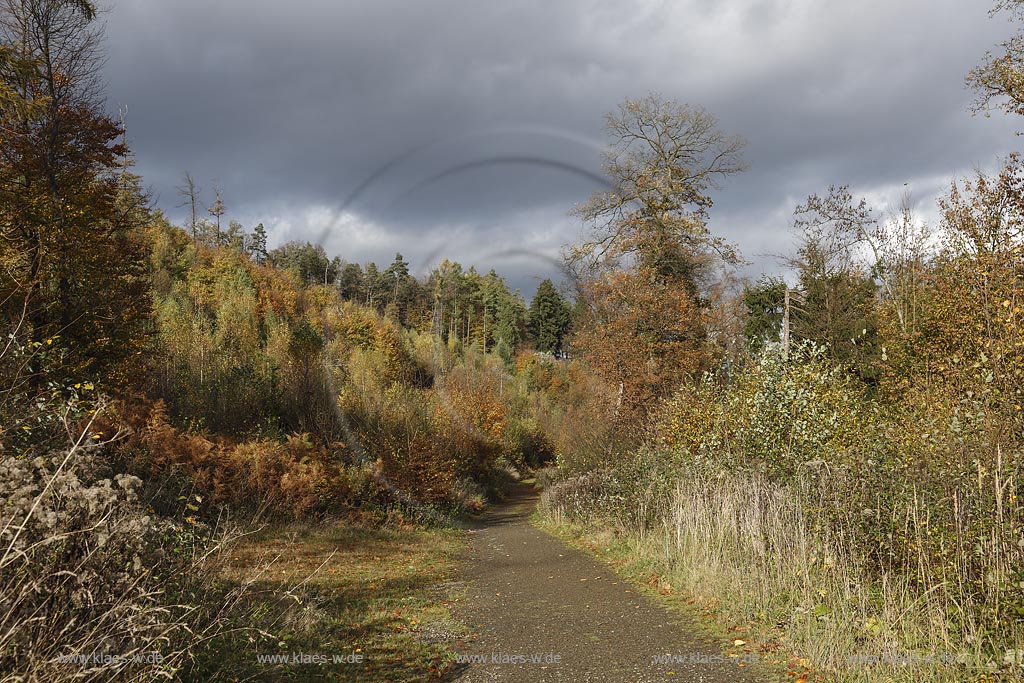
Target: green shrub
779	415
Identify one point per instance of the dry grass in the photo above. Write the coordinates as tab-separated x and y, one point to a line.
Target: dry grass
750	550
92	586
380	593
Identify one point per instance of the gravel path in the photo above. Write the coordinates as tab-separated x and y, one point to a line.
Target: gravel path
530	599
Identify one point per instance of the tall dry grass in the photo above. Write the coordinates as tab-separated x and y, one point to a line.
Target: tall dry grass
771	556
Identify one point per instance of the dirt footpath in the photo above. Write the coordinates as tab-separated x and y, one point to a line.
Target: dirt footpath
542	611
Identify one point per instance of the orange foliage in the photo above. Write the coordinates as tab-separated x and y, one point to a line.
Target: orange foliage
644	334
290	479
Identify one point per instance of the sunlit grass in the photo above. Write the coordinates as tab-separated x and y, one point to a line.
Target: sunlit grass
739	556
379	593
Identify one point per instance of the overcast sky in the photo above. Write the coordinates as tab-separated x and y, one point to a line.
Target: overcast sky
471	129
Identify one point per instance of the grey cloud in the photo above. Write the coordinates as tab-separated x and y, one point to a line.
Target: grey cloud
290	107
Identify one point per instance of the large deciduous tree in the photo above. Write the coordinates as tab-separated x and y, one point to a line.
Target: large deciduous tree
642	272
72	247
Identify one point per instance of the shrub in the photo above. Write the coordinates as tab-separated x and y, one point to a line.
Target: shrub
289	479
917	498
779	416
547	477
526	444
86	572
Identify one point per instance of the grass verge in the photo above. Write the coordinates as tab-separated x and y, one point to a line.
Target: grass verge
754	564
375	599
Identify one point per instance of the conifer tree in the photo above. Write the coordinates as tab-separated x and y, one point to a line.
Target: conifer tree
549	318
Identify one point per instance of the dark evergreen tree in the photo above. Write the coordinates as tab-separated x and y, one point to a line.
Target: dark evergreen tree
549	318
396	273
764	303
373	287
837	309
350	282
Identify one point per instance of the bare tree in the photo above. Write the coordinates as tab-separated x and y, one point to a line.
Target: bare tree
189	193
665	159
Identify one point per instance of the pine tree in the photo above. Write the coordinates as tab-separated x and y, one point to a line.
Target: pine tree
549	318
373	294
511	319
257	245
350	281
395	276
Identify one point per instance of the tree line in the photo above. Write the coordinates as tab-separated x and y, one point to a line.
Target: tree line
462	305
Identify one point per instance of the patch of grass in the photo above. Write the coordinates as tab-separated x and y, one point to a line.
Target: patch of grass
379	596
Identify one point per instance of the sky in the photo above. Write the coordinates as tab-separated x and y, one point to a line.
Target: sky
470	130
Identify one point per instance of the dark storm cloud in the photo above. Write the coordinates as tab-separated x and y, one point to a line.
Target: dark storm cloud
292	107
